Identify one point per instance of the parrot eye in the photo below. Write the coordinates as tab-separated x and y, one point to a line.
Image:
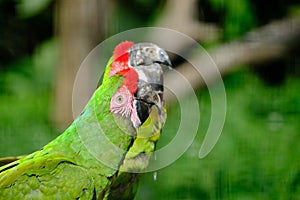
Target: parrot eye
119	99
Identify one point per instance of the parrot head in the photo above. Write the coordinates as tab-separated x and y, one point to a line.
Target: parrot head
141	65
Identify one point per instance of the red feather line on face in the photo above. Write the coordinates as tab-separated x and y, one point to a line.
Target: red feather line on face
120	66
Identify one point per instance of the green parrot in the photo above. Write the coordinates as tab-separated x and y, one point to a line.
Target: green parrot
102	152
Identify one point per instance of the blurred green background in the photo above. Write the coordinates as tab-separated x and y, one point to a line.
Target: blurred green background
257	155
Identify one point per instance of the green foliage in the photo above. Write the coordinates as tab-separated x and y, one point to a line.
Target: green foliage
294	10
256	156
25	102
238	16
29	8
134	14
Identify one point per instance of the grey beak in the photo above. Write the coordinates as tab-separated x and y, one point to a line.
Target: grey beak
149	60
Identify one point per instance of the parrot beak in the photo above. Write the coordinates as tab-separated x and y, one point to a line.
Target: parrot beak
149	61
144	105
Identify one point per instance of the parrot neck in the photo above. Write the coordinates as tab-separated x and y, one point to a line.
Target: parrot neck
100	130
97	137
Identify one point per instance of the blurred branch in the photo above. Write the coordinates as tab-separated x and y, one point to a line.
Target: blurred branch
269	42
182	16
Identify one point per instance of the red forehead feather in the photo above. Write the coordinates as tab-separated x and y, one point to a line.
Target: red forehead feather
121	57
120	66
122	48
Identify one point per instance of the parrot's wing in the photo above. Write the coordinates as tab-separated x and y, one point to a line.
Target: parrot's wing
46	178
